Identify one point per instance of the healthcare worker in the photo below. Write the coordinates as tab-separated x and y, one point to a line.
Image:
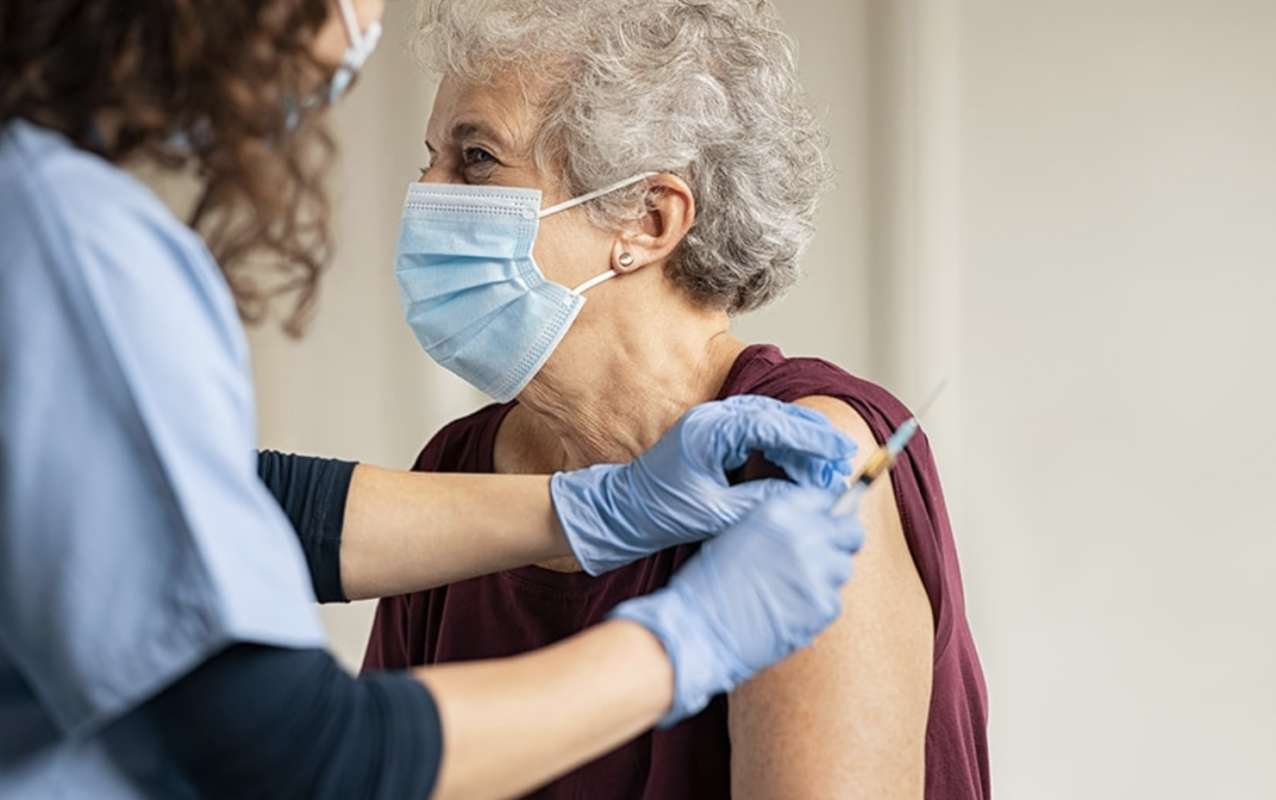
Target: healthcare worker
157	631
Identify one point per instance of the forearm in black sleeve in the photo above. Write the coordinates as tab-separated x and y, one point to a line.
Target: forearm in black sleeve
273	723
312	492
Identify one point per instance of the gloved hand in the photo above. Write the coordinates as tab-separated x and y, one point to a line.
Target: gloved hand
677	492
751	596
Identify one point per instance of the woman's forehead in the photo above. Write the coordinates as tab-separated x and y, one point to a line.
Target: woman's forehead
501	106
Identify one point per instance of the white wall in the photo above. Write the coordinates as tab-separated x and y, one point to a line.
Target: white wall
1069	210
1118	201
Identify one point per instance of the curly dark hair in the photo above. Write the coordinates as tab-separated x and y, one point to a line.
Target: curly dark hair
208	84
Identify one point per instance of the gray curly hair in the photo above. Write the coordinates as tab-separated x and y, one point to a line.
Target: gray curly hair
703	89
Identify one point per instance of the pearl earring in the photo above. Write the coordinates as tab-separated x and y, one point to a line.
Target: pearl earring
625	260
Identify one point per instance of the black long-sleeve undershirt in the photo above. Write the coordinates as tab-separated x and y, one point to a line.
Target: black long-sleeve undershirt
267	722
257	722
312	493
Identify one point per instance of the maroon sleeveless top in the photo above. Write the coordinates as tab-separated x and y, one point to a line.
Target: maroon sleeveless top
527	608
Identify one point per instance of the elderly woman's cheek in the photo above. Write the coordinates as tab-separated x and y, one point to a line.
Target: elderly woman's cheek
569	250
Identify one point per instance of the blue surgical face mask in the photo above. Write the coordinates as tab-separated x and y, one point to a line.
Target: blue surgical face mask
470	289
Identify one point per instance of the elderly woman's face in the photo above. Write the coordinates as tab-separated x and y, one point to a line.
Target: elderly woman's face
481	134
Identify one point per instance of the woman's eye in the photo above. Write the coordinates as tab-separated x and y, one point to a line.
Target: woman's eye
475	156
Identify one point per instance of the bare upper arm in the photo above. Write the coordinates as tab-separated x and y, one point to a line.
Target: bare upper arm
846	717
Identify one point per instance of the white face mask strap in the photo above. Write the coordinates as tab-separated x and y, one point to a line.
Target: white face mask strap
361	42
351	22
592	282
585	198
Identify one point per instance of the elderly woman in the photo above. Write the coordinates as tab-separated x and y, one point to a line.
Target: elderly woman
655	157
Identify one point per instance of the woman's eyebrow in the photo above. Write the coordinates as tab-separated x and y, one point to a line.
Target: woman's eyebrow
467	130
464	130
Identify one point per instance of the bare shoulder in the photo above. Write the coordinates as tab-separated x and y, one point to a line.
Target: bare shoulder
846	717
845	419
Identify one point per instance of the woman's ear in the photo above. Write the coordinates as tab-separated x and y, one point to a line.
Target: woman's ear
652	237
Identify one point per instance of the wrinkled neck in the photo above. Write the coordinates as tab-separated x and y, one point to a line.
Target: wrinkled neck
607	397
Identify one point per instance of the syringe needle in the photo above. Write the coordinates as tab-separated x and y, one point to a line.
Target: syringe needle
930	401
883	458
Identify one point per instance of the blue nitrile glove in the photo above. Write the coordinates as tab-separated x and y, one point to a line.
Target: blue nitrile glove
677	492
751	596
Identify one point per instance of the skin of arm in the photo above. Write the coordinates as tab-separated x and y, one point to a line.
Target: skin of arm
510	725
408	531
846	717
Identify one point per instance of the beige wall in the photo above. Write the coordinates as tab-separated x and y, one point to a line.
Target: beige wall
1118	259
1069	210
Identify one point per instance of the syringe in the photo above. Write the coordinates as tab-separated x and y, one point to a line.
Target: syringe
882	460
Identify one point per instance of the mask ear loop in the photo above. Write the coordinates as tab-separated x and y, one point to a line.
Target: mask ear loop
361	46
362	43
585	198
594	281
351	23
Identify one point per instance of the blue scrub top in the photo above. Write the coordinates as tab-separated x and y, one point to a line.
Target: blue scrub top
135	537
